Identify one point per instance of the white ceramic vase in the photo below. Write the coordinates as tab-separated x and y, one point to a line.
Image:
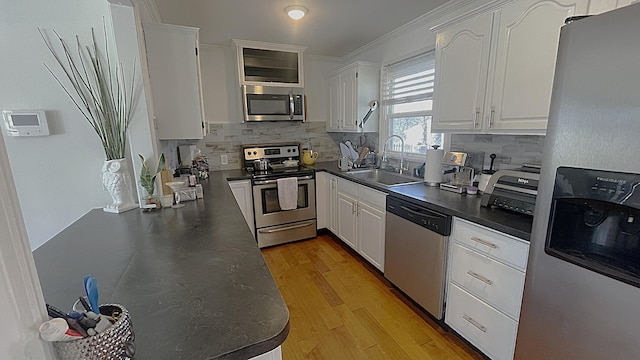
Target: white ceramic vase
117	181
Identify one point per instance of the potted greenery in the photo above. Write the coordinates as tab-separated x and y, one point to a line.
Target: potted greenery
96	85
147	179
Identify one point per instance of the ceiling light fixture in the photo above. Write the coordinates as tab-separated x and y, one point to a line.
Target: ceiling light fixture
296	12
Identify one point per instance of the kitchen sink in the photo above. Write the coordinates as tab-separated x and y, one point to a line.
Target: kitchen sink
383	178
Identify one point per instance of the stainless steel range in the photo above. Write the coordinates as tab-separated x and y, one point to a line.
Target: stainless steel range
267	164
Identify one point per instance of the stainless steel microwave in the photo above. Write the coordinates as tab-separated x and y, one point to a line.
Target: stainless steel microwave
270	103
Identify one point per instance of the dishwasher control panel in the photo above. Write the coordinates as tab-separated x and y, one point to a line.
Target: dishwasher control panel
427	218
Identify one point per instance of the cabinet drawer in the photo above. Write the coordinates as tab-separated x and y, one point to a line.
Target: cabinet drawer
508	249
348	187
488	279
491	331
376	198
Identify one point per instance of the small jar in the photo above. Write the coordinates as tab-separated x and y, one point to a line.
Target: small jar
199	191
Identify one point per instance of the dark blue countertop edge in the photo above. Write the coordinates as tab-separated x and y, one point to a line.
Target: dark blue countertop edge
193	279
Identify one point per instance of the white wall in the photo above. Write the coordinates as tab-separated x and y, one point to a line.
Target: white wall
58	176
317	70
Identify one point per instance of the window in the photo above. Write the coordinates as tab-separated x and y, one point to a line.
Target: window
407	100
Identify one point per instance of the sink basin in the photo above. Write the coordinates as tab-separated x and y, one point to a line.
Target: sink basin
383	178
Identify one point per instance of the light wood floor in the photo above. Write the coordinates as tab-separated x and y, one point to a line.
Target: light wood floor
341	308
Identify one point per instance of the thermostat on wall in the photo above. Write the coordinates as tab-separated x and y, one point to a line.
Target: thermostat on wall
25	123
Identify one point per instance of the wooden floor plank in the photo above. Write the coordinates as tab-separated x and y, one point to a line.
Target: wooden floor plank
342	308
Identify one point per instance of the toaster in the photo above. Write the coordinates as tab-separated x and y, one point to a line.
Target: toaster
513	190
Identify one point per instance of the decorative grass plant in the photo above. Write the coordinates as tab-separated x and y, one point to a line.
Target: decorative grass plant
97	88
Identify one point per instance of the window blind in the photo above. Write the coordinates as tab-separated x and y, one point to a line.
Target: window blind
409	80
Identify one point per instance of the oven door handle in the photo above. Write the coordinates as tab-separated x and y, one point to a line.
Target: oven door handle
265	182
285	228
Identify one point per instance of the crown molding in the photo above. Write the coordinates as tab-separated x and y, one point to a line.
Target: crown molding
324	58
488	6
152	6
422	21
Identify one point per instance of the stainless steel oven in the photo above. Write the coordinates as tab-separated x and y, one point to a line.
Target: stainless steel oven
276	226
273	224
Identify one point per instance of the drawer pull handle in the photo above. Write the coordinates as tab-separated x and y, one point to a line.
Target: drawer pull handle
479	277
474	323
484	242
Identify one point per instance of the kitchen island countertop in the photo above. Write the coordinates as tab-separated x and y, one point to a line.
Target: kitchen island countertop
193	279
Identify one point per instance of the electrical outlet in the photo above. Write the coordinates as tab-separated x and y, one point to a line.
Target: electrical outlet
224	160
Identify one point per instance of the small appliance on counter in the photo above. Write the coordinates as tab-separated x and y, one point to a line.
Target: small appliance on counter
514	190
460	169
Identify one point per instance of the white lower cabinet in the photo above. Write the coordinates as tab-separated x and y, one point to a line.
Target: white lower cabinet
485	284
275	354
347	219
322	200
361	213
241	190
482	325
327	201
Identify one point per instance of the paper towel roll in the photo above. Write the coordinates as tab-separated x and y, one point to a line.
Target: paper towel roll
433	167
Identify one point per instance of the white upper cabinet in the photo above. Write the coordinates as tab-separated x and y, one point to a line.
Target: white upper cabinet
351	89
266	64
462	63
600	6
174	74
512	93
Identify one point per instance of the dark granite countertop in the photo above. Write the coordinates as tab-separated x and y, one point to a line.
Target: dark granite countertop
461	205
193	279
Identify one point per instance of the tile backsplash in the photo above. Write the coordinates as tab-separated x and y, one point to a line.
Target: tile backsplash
511	150
228	139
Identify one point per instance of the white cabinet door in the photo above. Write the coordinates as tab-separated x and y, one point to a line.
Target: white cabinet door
349	86
351	90
494	72
174	73
323	192
600	6
527	45
462	61
335	104
371	227
241	190
490	330
347	219
333	205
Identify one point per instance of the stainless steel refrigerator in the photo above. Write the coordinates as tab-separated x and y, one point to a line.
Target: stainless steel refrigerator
582	295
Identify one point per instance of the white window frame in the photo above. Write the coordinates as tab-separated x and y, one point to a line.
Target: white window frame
383	130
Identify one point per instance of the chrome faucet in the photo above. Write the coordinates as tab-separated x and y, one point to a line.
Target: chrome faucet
384	151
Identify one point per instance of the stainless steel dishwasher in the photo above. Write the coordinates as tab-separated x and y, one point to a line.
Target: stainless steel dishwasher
416	252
